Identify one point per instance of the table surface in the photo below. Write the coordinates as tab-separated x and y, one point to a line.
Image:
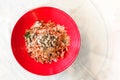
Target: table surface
107	14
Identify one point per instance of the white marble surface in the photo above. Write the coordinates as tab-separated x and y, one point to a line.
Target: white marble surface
98	22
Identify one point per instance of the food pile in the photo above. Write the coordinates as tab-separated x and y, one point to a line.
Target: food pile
46	41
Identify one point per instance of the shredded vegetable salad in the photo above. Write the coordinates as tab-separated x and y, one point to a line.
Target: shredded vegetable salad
46	42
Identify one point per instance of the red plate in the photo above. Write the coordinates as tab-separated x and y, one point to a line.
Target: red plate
46	14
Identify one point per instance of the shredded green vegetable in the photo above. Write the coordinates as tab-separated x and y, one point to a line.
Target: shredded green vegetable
27	35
